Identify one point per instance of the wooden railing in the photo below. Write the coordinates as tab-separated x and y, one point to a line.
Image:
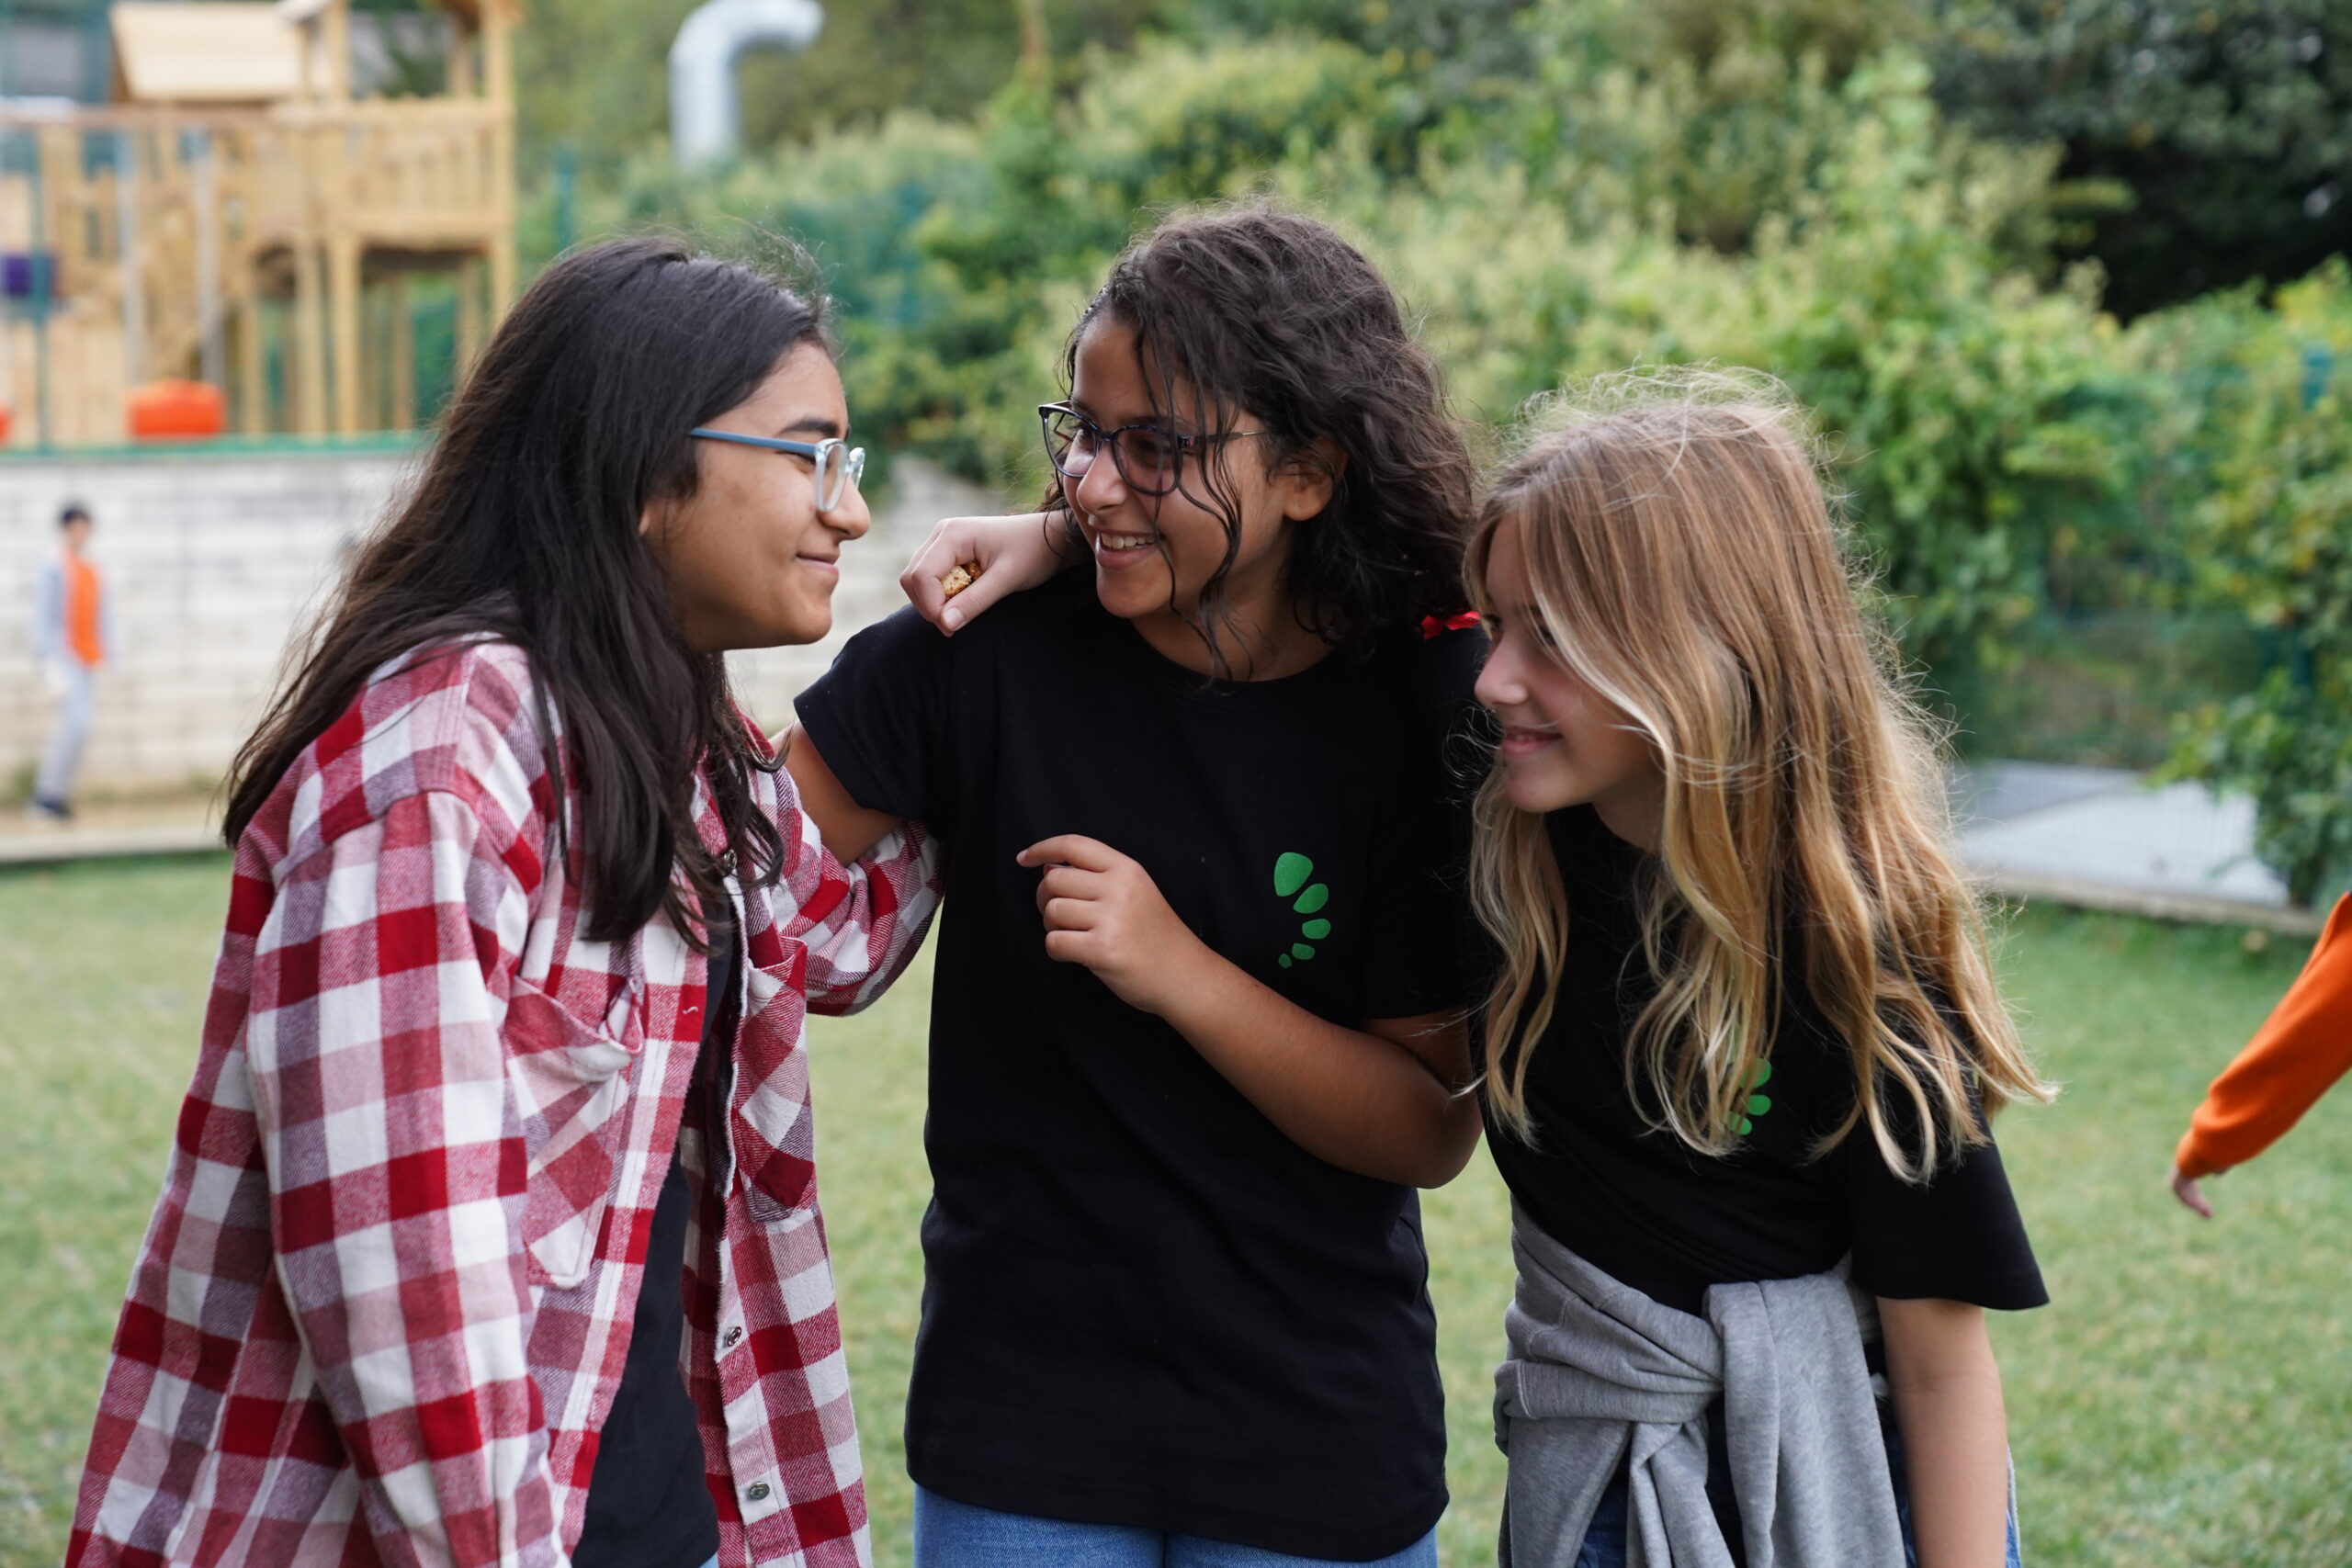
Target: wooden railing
161	228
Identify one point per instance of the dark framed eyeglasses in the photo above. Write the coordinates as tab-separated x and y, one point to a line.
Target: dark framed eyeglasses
838	465
1149	458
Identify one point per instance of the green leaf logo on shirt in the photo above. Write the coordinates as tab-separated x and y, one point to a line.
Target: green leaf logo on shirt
1291	872
1757	1103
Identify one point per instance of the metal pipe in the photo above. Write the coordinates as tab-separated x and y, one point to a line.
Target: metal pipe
705	123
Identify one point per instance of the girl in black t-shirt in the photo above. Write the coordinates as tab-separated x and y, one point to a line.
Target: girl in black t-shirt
1745	1041
1197	1015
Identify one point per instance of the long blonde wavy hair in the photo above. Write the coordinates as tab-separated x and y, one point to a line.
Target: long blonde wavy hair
1689	563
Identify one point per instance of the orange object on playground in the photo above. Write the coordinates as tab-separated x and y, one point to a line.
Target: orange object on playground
177	411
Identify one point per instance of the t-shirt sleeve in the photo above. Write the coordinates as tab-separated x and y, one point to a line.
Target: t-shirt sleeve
880	718
1424	951
1420	949
1957	1238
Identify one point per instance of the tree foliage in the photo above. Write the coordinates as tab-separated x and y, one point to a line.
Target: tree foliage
1778	184
2227	123
2271	541
592	75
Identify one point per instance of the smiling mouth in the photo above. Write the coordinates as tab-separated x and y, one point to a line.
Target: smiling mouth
1118	543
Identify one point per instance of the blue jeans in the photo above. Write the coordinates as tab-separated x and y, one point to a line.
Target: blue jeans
1604	1539
957	1535
62	758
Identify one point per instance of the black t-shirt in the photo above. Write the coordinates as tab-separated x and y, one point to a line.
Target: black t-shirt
648	1505
1145	1306
1644	1207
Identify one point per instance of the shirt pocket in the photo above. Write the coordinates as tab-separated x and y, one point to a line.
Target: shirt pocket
775	1146
572	1082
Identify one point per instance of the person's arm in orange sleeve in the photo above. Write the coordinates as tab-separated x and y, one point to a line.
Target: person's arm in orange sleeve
2299	1053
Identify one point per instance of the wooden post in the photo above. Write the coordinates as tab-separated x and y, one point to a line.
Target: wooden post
343	299
403	354
129	259
310	340
53	155
460	59
253	365
470	323
497	52
205	170
334	39
498	86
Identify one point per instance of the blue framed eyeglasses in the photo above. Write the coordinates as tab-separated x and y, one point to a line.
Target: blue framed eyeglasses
838	465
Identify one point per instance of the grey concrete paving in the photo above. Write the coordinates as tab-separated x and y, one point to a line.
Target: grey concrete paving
106	831
2102	837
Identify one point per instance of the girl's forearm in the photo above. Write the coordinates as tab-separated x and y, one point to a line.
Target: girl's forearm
1948	1407
1360	1102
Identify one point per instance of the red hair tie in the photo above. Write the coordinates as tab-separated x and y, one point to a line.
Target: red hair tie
1460	621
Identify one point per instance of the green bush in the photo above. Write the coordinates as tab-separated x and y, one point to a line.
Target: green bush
2271	541
1983	423
1683	180
2226	125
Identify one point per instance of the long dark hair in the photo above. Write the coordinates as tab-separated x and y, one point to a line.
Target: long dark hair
1250	307
525	527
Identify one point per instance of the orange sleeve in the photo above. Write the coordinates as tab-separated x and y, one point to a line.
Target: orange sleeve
2300	1050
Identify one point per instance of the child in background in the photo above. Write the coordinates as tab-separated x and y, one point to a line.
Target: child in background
1745	1041
2295	1057
1197	1024
73	636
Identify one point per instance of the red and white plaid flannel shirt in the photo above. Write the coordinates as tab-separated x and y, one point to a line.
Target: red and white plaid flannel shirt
386	1298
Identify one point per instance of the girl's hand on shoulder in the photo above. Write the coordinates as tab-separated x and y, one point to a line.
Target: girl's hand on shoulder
1005	555
1103	910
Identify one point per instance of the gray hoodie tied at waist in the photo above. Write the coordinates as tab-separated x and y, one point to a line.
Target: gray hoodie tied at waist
1599	1373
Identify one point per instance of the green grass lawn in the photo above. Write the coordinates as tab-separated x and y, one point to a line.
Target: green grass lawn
2187	1402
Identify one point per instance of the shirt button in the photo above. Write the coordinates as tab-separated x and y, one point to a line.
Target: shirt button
732	1337
757	1492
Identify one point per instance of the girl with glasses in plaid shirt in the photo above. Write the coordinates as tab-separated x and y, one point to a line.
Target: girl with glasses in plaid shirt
489	1235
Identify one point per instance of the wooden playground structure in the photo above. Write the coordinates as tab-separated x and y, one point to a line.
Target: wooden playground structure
239	230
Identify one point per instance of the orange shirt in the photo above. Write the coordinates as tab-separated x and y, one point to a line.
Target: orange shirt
2300	1051
82	611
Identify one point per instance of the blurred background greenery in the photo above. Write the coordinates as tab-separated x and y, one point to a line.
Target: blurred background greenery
2062	279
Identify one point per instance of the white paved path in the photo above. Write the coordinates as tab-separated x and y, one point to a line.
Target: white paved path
2103	836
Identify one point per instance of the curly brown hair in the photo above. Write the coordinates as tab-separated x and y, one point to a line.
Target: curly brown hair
1249	309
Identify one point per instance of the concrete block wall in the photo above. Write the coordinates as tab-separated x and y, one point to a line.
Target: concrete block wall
214	561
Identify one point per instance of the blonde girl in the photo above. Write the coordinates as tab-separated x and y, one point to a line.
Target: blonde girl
1744	1043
